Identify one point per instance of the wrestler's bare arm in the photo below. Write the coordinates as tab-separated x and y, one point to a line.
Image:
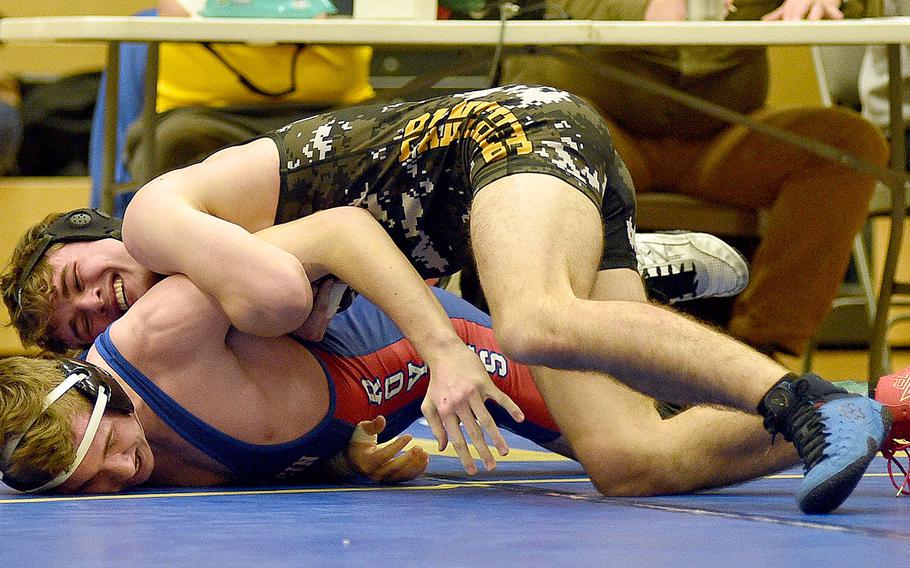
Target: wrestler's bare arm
171	325
198	221
349	243
176	324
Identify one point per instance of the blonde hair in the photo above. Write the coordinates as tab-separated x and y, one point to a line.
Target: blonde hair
32	313
49	446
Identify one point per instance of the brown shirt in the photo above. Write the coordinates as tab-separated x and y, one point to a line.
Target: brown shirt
734	77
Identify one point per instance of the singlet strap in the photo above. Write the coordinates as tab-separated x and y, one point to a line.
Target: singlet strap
246	461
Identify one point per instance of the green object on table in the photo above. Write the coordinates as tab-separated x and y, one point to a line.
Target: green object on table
466	6
267	8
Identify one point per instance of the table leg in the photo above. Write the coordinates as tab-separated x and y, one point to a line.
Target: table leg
879	357
109	149
149	113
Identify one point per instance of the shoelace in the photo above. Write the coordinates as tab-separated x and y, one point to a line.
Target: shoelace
674	282
806	432
890	451
802	425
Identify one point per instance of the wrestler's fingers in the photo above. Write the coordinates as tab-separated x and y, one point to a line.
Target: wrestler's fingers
471	425
489	426
461	446
435	423
388	451
414	458
374	426
325	304
503	400
323	291
336	295
405	467
412	464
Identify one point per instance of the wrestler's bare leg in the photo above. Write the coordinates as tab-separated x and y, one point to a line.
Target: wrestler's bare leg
537	243
628	450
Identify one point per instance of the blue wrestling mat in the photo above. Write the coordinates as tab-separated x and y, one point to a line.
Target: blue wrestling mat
536	509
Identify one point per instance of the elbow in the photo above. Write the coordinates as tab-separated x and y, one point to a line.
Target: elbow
256	319
274	305
264	323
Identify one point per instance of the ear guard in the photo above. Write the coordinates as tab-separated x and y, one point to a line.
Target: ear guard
77	225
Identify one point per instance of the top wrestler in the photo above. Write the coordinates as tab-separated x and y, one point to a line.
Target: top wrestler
550	233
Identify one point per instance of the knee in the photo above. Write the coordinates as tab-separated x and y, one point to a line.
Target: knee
625	470
177	146
849	131
187	136
533	333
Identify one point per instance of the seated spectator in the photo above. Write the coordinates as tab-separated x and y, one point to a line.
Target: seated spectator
213	95
815	206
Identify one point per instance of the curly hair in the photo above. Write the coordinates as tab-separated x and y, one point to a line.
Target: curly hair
48	447
32	313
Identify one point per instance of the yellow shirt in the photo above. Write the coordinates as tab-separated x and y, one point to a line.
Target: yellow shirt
191	75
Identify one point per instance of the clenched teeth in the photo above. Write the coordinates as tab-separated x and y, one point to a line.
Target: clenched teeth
120	294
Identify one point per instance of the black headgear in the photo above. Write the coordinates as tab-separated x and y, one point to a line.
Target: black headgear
77	225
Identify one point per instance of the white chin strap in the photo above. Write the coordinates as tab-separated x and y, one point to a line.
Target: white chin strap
93	423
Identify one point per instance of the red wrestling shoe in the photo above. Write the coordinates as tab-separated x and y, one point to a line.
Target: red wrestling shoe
893	392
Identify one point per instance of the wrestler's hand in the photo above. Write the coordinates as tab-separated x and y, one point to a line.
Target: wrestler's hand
807	10
459	387
327	294
384	464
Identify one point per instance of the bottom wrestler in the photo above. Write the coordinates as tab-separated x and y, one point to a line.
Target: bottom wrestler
203	404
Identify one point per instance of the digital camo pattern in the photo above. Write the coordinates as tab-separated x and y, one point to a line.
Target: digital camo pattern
415	166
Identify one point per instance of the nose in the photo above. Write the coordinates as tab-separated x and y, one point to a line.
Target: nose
91	299
121	468
91	303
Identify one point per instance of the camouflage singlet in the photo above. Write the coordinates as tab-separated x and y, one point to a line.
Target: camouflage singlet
415	166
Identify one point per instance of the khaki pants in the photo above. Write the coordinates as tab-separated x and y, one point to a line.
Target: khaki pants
815	208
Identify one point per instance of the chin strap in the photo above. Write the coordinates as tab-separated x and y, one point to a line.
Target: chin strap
89	435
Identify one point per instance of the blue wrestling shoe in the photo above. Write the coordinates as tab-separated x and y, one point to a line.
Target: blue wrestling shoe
836	435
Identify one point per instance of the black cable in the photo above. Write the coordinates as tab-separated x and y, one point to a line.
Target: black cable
249	83
507	11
